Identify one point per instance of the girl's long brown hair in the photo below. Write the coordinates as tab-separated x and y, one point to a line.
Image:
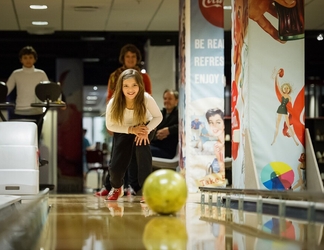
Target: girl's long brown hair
119	101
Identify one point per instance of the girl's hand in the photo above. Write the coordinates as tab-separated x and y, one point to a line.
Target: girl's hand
139	139
140	130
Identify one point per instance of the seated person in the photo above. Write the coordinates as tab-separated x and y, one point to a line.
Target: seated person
165	141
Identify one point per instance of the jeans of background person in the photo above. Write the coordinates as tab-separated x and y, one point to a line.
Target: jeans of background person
158	152
124	148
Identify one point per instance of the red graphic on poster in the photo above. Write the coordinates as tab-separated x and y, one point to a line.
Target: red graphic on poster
212	10
235	121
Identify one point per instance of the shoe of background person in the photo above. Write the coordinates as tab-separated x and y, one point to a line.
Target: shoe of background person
116	208
102	192
142	200
130	191
42	162
115	194
146	211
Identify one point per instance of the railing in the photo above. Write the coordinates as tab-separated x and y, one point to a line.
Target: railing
312	203
284	194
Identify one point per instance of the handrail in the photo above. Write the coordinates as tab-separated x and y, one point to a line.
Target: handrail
280	194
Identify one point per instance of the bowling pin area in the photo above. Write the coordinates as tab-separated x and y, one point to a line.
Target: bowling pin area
210	219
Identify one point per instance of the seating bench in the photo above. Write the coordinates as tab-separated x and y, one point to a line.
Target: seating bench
163	163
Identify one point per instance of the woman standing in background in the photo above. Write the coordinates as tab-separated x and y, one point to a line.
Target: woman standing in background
130	58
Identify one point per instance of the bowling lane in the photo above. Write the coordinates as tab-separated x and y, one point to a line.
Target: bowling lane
87	222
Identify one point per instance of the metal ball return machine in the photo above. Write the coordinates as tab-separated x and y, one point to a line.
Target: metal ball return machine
19	154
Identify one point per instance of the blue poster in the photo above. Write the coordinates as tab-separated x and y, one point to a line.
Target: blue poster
204	88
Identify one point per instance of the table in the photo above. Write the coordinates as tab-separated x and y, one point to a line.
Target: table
48	105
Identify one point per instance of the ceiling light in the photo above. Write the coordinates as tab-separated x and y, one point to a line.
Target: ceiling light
93	38
320	37
85	8
227	7
40	30
90	102
92	98
90	60
38	7
87	108
39	23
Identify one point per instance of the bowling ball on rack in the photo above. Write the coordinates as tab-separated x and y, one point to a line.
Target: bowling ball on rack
165	191
165	232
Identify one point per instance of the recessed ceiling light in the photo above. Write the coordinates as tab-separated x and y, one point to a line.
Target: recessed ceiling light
38	7
40	30
85	8
92	98
90	60
93	38
39	23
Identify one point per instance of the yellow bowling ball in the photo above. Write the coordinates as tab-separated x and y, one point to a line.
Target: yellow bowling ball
165	191
165	233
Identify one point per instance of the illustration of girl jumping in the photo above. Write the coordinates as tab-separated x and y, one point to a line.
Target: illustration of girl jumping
285	90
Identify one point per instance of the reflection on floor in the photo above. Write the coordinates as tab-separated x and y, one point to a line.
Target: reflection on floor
87	222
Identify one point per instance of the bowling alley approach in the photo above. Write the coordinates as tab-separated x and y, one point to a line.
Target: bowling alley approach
162	125
214	219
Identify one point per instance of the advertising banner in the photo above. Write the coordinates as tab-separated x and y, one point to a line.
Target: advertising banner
268	93
202	93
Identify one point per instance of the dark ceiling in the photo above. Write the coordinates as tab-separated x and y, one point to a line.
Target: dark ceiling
69	45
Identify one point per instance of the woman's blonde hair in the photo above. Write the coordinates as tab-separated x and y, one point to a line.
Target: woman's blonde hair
286	85
119	101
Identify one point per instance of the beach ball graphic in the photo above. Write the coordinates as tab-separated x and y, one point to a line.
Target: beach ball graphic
282	230
286	230
277	176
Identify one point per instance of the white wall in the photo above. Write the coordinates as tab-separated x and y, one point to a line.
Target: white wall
161	67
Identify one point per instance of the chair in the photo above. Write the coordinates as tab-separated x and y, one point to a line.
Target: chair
49	93
163	163
3	92
96	162
3	103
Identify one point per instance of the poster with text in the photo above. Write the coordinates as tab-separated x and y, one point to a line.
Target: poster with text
204	91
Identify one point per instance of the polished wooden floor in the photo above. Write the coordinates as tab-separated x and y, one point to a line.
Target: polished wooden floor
84	221
50	221
88	222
